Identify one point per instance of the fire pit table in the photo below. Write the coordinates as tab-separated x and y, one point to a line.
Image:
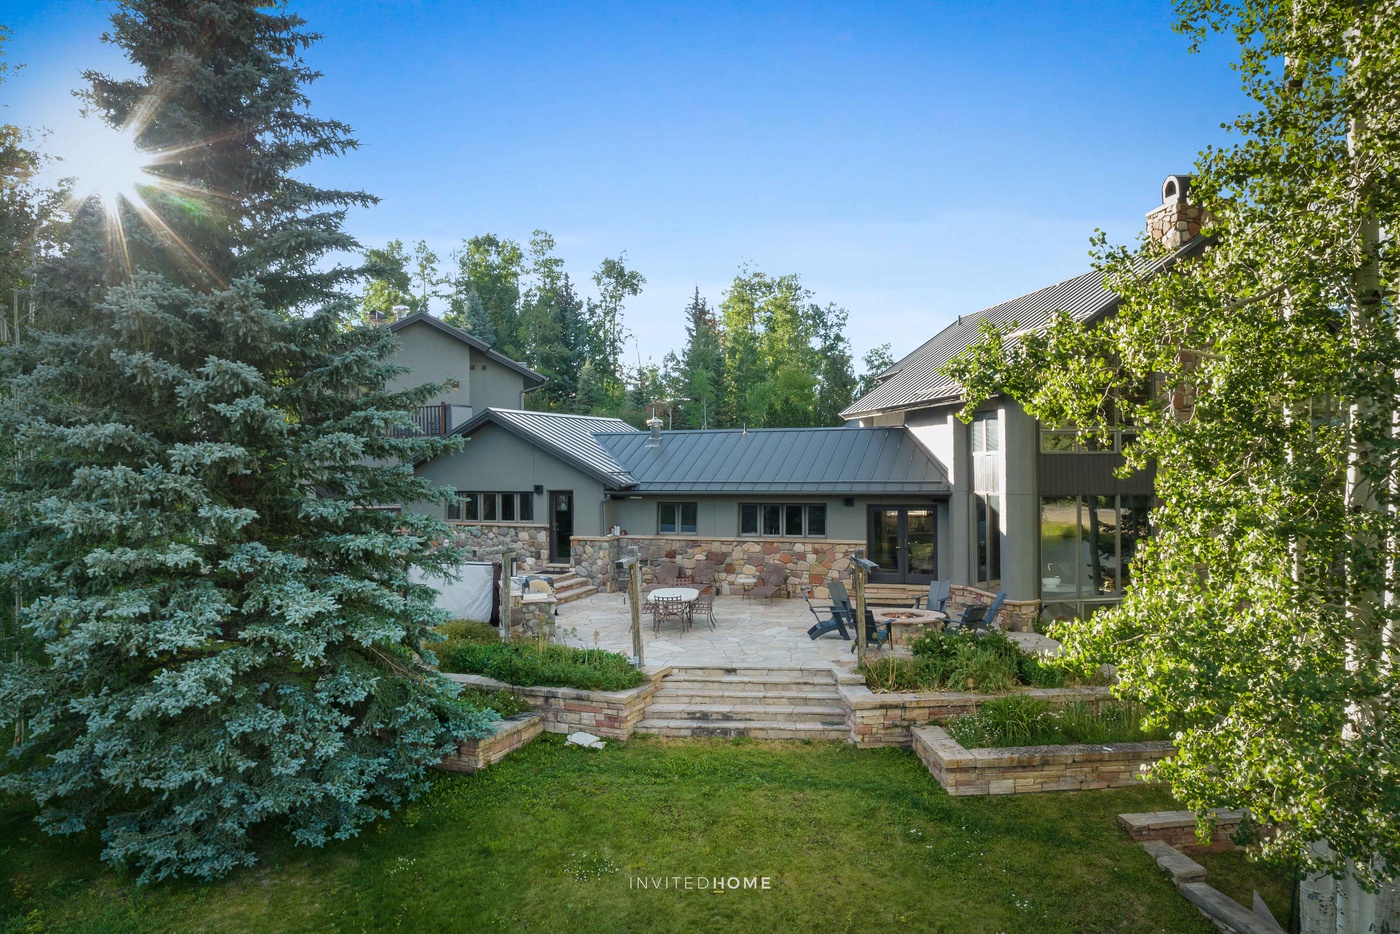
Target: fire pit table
903	616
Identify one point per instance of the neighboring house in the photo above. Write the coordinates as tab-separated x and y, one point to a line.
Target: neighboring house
1034	511
480	377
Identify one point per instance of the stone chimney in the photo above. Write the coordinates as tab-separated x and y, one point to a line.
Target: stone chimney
1177	220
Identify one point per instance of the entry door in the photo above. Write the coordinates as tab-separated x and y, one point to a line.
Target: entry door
903	542
561	525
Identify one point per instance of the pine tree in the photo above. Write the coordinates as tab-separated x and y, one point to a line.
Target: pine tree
701	367
489	268
231	633
221	103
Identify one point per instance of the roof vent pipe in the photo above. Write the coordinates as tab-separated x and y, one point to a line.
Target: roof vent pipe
654	424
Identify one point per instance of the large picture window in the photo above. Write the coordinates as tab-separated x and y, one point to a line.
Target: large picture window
491	507
788	520
676	518
1087	545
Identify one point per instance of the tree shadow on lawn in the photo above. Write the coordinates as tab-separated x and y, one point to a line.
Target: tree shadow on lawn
555	838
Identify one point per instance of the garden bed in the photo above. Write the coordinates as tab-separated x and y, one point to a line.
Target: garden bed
510	734
1033	769
610	714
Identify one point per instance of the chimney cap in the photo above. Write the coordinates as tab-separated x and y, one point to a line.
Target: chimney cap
1175	189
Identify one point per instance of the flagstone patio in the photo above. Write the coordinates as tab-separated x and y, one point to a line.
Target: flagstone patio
749	633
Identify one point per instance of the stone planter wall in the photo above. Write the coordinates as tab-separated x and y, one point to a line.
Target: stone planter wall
889	719
809	562
530	541
1177	829
511	733
610	714
1032	769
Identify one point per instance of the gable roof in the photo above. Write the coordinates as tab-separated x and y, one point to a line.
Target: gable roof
533	380
568	437
777	460
915	380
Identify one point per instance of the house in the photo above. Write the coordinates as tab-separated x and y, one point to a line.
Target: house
481	377
1001	503
1034	511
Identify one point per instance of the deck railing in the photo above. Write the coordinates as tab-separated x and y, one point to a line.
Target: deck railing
428	420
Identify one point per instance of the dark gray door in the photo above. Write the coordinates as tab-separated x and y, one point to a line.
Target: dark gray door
903	541
561	525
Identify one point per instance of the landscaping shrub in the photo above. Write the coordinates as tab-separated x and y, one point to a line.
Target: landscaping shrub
466	630
989	663
1019	720
528	664
504	702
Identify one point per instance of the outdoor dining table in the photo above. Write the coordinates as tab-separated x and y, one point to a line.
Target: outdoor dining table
686	595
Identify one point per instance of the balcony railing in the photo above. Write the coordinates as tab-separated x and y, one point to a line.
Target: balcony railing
428	420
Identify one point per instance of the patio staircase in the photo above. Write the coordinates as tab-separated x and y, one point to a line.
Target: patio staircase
763	703
568	586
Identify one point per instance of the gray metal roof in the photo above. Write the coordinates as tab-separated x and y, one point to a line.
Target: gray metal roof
571	438
777	460
915	380
533	380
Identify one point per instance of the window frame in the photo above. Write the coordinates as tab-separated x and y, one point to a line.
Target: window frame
678	523
758	514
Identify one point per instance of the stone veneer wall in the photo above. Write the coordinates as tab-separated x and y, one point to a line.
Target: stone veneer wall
511	733
890	719
530	540
611	714
1032	769
810	562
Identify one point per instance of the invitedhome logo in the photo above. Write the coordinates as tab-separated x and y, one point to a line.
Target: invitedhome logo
701	883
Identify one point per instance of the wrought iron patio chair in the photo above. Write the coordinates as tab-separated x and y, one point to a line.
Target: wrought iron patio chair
664	608
704	605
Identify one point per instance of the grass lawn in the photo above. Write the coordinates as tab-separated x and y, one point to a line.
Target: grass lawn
1234	875
547	840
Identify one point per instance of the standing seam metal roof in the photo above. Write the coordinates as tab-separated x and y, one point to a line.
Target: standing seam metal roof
916	379
571	438
777	460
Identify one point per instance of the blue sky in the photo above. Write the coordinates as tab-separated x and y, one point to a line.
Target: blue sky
911	161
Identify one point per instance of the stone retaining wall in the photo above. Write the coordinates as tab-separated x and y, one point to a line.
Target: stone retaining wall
809	562
1177	829
1014	616
1032	769
888	719
610	714
510	734
529	540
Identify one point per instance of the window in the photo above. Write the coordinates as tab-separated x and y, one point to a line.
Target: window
491	507
986	433
989	540
1087	545
676	517
789	520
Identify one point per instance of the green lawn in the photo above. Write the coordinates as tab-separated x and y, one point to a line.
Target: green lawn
853	840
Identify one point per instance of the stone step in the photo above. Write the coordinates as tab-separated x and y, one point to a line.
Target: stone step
755	673
750	728
779	716
772	697
577	593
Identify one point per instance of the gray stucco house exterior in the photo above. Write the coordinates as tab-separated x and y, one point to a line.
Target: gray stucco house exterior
1000	503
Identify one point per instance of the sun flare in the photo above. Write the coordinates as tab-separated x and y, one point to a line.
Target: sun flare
105	162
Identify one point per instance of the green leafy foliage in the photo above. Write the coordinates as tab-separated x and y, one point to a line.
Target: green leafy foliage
1260	375
228	628
527	664
504	702
1019	720
989	663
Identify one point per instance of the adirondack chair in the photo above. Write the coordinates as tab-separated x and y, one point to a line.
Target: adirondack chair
994	609
839	596
973	619
876	635
835	623
937	598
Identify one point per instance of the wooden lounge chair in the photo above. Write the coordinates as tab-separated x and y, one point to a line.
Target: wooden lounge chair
835	623
937	598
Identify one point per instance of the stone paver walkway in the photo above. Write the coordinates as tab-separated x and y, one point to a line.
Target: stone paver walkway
754	633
